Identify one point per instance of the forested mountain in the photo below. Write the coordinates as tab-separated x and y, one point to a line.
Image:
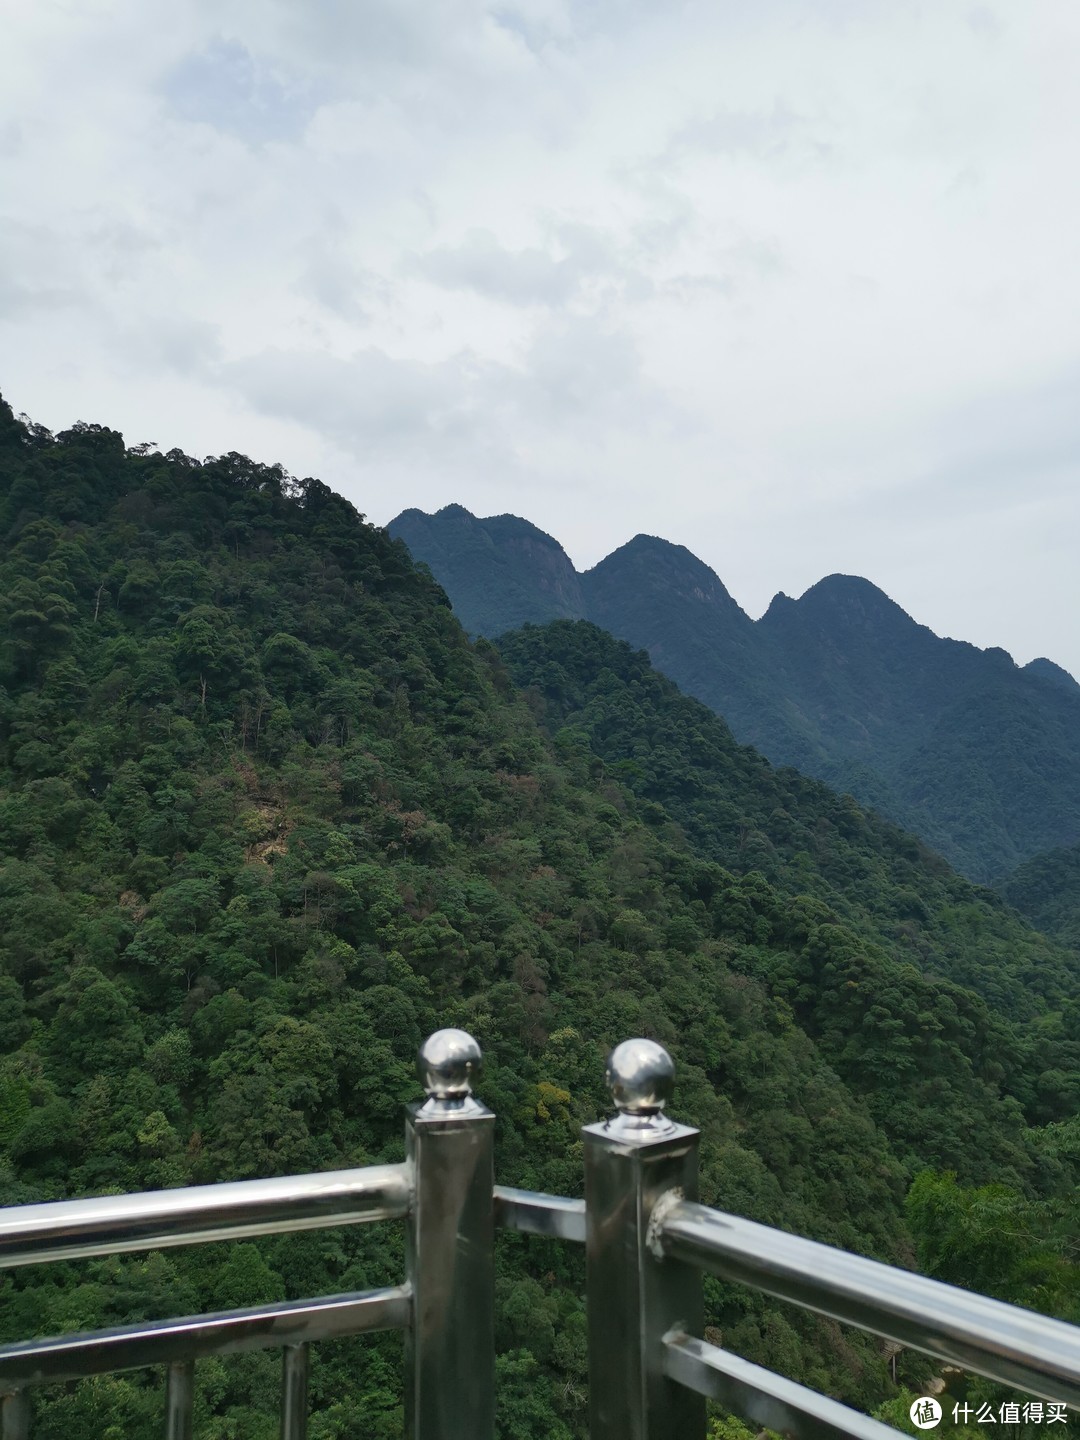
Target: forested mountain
267	818
1047	670
978	756
1046	891
503	571
888	933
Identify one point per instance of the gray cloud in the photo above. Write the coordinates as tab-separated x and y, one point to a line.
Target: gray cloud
170	342
18	300
1002	452
530	276
574	374
39	270
776	135
335	280
365	401
225	87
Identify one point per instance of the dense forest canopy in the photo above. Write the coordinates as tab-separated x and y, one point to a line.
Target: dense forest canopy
267	818
1046	891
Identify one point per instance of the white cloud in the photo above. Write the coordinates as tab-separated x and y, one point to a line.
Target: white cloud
793	284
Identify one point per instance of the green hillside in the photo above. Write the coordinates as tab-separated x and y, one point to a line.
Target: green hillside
1046	891
838	881
267	818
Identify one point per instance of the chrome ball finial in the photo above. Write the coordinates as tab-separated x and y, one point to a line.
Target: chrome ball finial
641	1074
447	1063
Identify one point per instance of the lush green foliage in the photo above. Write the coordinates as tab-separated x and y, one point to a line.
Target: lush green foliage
268	819
882	950
961	747
1046	891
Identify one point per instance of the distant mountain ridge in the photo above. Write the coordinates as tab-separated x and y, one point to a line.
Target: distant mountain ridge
979	756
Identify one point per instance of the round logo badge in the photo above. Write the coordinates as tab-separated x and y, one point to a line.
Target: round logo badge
925	1412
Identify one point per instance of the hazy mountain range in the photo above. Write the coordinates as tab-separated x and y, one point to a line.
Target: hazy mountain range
979	756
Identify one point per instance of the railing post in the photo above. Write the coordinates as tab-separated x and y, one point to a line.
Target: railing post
294	1391
634	1297
179	1400
450	1259
15	1416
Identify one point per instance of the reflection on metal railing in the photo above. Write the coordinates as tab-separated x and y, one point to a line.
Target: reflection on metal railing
111	1224
445	1193
646	1242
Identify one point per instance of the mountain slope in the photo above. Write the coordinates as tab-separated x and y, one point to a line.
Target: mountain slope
976	755
651	588
1047	670
267	818
1046	891
827	862
503	570
979	756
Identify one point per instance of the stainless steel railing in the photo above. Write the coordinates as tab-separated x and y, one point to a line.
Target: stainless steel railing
1018	1347
445	1194
646	1241
110	1224
73	1229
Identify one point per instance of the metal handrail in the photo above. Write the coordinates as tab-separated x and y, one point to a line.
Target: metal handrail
111	1224
1003	1342
444	1191
759	1395
229	1332
552	1216
646	1242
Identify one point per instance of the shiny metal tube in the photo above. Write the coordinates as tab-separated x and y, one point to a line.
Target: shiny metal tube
766	1400
450	1249
294	1385
15	1416
533	1213
167	1342
106	1224
1007	1344
633	1295
180	1400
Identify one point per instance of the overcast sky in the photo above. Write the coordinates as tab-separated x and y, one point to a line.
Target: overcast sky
795	283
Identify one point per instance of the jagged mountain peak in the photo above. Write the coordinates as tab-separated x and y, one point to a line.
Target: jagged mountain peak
656	564
414	515
643	546
850	597
1046	670
500	527
514	527
499	571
